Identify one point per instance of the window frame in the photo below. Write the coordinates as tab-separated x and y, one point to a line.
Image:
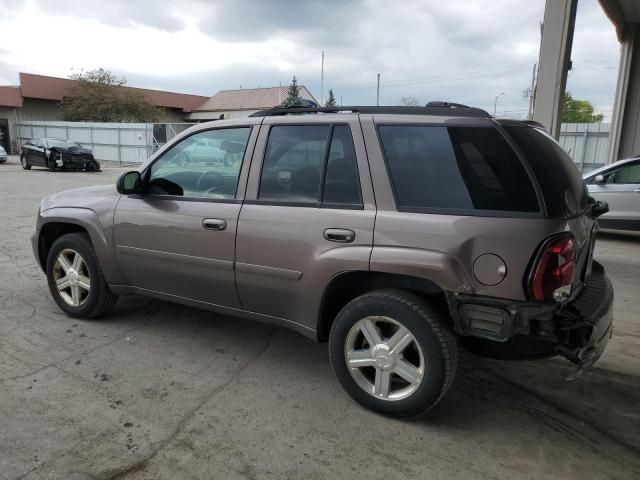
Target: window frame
146	172
319	203
541	213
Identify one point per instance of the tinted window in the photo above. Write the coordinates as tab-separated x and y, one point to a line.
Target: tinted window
297	158
342	182
627	174
562	186
204	165
456	168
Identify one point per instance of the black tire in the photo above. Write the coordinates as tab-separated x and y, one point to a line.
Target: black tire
24	162
51	162
430	331
100	298
91	166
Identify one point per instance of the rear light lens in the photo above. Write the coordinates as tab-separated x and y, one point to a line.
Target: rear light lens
553	272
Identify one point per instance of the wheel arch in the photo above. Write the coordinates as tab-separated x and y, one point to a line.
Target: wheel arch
50	232
345	286
56	222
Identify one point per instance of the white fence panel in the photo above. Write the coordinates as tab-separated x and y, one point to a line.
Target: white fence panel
586	143
118	142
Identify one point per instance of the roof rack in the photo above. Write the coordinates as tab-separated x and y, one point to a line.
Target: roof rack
432	108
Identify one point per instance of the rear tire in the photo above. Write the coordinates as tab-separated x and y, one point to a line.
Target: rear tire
24	162
402	355
79	266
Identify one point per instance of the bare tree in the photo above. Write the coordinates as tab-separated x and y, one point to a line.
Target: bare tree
409	101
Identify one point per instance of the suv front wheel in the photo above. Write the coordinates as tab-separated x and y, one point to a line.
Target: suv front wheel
393	352
75	277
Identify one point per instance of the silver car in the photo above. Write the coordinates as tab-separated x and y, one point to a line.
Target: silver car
3	154
618	184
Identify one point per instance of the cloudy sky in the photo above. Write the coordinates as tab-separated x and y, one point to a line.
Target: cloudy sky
466	51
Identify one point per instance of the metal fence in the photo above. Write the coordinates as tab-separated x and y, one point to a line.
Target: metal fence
116	142
586	143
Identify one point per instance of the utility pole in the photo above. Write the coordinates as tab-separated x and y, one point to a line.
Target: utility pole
378	93
532	92
322	81
495	103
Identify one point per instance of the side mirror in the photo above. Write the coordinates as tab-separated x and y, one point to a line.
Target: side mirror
129	182
599	179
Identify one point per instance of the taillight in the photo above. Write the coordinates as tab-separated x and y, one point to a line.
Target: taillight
553	272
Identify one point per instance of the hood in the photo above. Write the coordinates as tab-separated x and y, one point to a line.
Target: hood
94	198
73	149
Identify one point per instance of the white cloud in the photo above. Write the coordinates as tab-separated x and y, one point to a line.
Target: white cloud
467	51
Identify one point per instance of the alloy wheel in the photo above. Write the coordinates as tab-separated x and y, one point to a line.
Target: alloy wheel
384	358
72	278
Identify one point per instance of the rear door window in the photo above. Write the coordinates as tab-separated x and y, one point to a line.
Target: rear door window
456	169
310	164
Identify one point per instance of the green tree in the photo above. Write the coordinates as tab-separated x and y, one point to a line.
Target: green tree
579	111
98	96
293	95
409	101
331	101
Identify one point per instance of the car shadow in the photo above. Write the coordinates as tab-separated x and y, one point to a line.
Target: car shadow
486	395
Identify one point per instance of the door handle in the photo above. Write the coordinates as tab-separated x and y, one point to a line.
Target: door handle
216	224
339	235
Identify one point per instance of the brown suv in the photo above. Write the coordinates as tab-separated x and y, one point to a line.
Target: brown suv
392	233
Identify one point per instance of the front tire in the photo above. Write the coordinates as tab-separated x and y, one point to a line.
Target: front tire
75	277
393	352
92	166
24	162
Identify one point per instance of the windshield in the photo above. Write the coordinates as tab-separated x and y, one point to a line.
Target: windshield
52	142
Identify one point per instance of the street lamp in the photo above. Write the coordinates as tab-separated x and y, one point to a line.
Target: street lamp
495	103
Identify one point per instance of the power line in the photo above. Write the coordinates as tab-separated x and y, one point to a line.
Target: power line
438	78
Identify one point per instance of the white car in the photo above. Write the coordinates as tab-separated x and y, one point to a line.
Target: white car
3	154
618	184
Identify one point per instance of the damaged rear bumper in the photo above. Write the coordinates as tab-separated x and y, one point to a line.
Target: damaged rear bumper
579	330
585	325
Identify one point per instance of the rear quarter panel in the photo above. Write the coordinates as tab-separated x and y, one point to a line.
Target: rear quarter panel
443	247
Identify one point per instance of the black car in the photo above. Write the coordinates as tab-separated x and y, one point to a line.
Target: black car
55	153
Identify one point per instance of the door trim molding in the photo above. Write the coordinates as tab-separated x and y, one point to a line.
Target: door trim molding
283	273
175	257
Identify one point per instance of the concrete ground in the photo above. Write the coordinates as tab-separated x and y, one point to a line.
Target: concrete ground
163	391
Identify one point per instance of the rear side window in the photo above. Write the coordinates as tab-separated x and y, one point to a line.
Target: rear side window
310	164
456	168
562	186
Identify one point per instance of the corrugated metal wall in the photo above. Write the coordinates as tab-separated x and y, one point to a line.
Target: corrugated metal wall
586	143
118	142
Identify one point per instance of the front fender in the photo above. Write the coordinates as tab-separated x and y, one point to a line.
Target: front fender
89	221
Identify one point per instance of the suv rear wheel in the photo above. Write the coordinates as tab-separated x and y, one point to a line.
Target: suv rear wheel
393	352
75	277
